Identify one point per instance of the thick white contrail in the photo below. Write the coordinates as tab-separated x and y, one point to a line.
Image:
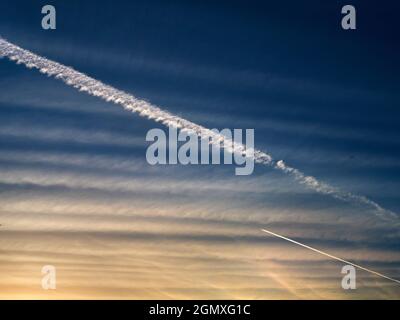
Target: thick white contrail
96	88
330	256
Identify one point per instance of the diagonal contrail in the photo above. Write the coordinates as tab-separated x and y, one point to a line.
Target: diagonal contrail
129	102
330	256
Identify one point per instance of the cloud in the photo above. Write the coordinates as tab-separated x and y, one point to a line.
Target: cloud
96	88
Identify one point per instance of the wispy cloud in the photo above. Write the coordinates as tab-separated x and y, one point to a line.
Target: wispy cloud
96	88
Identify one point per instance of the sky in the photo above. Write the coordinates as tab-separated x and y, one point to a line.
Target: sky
76	191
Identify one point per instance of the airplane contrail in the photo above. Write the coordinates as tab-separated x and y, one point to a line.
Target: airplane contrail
331	256
145	109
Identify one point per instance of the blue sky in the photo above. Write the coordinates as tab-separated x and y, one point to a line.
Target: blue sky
73	168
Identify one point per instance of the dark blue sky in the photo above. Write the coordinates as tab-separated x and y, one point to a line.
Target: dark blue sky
310	85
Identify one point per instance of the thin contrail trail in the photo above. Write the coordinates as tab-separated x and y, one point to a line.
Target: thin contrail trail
330	256
129	102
